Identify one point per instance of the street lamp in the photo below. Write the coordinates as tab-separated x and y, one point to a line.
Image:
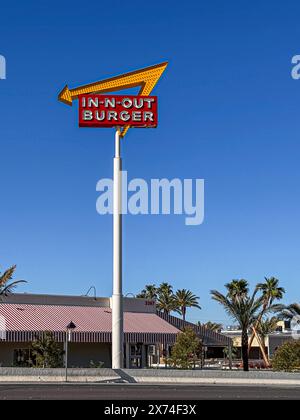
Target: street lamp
70	327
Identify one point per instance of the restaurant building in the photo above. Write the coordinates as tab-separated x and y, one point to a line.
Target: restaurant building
148	334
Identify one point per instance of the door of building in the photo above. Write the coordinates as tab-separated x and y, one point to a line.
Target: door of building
136	353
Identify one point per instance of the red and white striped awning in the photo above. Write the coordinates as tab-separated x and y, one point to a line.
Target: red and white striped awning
93	324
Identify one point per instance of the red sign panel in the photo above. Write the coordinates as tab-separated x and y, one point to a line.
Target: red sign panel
116	110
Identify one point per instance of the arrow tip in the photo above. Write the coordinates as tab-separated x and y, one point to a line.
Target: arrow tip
65	96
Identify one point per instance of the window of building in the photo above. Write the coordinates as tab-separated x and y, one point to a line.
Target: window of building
287	325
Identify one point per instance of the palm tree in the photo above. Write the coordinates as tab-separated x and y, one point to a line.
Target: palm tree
165	298
210	325
166	303
266	327
185	299
242	308
150	292
270	292
7	287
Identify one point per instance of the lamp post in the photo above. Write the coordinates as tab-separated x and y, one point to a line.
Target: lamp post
70	327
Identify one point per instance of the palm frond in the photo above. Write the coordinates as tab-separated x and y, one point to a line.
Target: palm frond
288	312
7	275
10	287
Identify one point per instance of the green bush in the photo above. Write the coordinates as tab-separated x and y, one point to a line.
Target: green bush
186	351
47	352
287	357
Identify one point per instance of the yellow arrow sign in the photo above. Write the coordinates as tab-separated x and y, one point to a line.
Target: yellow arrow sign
145	78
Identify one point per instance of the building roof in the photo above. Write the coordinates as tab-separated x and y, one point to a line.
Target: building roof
93	324
29	315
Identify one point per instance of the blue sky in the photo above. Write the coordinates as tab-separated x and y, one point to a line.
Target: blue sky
229	113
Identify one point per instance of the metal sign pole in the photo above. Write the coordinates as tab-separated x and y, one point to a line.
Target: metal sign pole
117	298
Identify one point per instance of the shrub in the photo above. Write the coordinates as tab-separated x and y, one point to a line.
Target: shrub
287	357
47	352
186	350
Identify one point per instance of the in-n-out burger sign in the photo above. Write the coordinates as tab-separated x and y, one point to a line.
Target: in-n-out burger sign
116	110
96	110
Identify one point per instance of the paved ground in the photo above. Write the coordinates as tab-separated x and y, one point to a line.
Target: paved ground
145	392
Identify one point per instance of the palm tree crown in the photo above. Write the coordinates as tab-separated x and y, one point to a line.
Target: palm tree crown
243	310
7	288
150	292
237	288
166	303
165	298
270	290
165	288
186	299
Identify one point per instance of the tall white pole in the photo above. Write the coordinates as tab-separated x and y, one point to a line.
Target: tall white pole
117	298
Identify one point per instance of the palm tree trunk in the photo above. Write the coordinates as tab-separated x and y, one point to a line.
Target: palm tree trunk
261	344
183	313
256	325
245	356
